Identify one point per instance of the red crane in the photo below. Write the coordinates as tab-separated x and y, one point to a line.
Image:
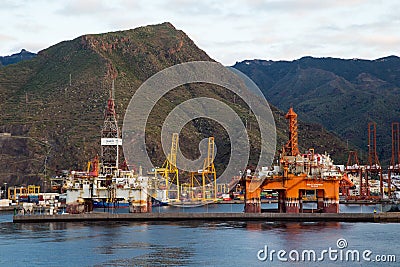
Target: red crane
395	161
374	166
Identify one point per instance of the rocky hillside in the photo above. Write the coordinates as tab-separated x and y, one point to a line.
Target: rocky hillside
53	104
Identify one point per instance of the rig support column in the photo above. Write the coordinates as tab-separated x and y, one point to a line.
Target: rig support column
252	200
281	201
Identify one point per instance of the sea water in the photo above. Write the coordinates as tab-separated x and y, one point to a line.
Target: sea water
198	243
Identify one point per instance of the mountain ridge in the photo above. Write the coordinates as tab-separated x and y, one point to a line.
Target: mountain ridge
341	94
15	58
54	103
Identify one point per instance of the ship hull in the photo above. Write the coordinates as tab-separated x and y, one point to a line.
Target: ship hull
111	205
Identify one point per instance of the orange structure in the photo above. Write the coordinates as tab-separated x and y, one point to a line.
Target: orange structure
354	169
291	146
296	177
345	185
373	168
394	167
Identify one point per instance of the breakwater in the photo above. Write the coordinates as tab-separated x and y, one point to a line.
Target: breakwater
217	216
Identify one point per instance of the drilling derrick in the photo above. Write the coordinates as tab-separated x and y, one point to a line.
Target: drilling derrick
394	167
291	147
374	166
110	137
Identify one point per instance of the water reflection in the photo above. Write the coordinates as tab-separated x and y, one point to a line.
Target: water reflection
159	256
183	243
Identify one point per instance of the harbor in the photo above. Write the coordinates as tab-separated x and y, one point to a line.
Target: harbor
303	184
186	133
301	187
141	210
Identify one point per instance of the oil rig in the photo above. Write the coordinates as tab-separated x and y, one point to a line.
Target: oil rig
106	182
298	177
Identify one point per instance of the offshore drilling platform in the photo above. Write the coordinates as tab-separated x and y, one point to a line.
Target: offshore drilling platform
107	183
295	176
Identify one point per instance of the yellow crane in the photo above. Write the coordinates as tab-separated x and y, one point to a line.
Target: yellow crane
169	171
208	175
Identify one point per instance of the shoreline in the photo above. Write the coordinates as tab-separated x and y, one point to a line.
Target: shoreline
215	216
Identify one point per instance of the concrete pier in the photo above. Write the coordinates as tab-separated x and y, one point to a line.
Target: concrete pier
9	208
183	216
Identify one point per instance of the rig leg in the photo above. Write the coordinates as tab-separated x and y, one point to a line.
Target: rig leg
331	206
301	193
320	200
281	201
252	205
292	205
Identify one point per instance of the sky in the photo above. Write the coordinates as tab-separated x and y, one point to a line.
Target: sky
227	30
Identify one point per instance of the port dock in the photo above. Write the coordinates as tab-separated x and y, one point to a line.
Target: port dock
9	208
218	216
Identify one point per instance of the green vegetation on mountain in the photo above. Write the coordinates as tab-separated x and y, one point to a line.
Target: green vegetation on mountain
15	58
53	104
342	95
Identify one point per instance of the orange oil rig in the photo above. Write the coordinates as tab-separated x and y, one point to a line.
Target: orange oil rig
298	178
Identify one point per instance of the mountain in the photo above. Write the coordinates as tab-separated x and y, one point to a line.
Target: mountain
341	94
15	58
53	105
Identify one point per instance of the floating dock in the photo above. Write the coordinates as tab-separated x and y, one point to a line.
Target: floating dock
218	216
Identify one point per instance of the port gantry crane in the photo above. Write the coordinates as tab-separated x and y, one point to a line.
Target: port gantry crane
170	172
374	167
394	167
353	169
208	176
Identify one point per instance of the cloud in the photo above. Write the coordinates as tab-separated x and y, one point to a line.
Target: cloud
203	8
87	7
227	30
10	4
5	42
5	38
382	41
30	46
299	5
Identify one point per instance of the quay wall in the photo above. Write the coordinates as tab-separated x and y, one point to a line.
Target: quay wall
183	216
